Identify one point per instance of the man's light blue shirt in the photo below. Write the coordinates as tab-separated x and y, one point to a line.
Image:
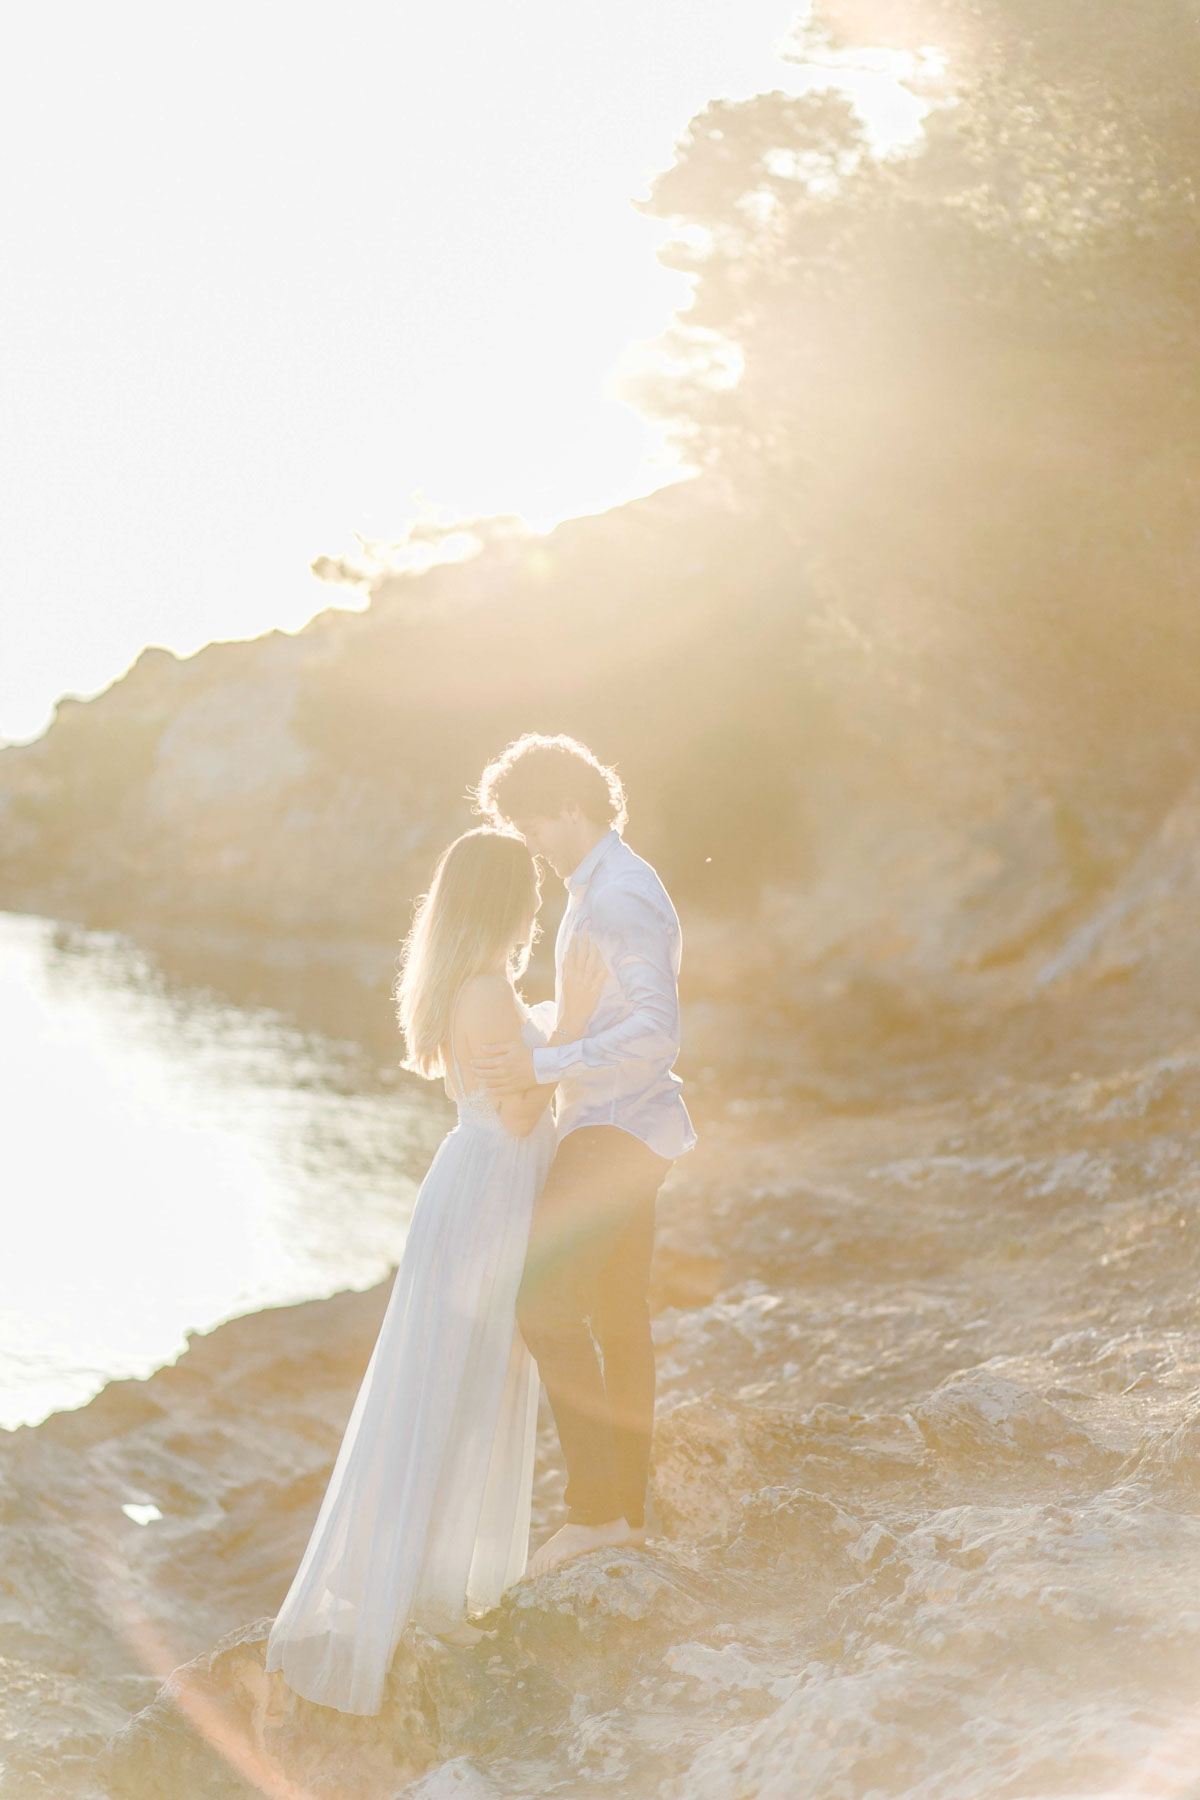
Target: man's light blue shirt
620	1072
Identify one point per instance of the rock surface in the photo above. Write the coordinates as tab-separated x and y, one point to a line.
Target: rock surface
925	1481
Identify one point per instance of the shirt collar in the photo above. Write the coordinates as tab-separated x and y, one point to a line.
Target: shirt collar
578	879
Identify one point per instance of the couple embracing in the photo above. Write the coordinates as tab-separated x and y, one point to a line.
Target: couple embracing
530	1244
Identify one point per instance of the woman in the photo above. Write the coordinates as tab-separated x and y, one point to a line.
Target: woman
426	1516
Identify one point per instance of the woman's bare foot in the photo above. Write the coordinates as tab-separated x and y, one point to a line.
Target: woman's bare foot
576	1540
464	1635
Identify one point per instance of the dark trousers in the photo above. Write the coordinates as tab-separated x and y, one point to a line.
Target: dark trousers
585	1286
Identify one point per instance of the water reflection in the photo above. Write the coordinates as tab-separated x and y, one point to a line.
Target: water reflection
171	1158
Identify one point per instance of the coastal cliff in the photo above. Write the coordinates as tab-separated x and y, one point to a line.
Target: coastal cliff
880	836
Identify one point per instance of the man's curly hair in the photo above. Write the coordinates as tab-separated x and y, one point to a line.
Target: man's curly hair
539	777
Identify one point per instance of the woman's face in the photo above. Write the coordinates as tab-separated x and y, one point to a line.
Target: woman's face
526	930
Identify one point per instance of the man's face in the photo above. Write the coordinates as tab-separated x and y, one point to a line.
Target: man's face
554	840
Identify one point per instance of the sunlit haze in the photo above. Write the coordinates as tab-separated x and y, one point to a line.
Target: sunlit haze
272	279
600	901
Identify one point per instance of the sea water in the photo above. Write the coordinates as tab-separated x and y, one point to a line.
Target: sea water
170	1158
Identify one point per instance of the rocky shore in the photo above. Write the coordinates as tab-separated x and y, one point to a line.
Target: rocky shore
928	1445
926	1483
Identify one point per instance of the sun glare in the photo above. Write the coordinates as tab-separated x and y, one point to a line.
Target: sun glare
430	281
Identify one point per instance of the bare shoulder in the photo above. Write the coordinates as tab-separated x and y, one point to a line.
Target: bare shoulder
487	1007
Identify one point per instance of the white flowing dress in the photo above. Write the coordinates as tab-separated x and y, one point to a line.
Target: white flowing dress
426	1516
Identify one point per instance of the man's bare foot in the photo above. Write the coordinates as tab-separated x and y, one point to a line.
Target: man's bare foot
576	1540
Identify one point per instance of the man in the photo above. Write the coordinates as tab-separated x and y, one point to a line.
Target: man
621	1122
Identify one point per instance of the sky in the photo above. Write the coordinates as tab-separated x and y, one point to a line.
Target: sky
276	276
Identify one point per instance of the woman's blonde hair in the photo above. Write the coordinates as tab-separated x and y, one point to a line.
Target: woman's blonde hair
484	890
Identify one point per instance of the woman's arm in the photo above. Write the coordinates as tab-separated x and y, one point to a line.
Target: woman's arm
488	1014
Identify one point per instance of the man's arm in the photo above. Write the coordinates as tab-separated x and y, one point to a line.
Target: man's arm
508	1068
636	937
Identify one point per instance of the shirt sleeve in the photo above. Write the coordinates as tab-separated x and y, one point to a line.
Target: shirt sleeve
638	939
543	1014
